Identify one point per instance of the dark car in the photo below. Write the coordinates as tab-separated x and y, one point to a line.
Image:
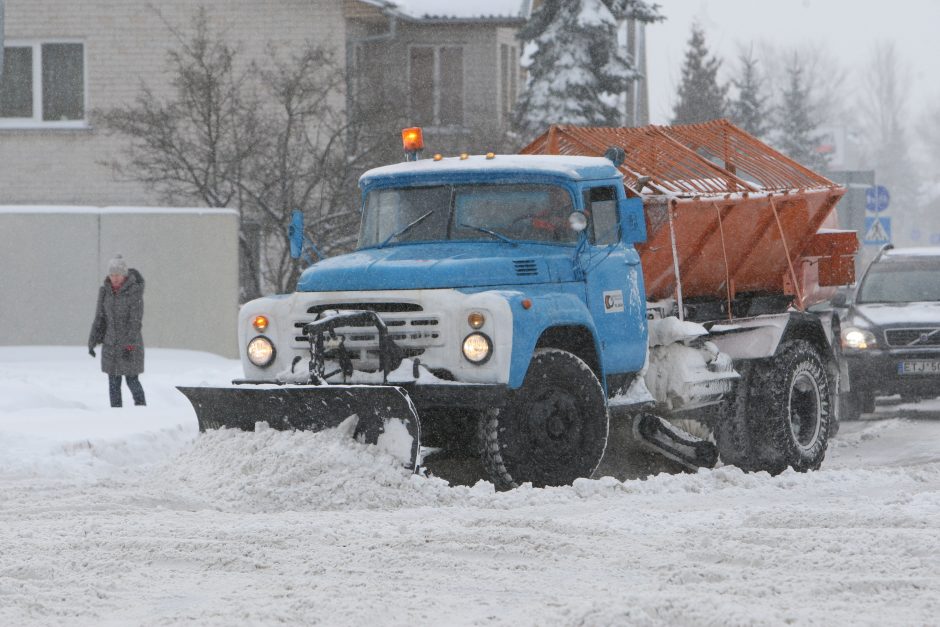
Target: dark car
890	331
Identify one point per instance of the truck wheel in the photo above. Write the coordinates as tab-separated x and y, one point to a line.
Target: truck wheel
782	416
554	428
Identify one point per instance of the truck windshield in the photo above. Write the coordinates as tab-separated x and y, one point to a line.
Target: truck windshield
467	212
902	281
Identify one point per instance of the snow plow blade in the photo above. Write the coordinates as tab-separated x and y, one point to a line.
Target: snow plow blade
386	415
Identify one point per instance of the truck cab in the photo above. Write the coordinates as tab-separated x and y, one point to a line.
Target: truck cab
472	262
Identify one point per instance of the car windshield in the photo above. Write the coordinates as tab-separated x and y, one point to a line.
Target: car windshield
467	212
906	280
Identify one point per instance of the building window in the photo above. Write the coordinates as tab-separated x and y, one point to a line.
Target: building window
435	75
43	85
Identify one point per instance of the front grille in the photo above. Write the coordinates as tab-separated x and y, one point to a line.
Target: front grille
526	267
412	329
912	337
376	307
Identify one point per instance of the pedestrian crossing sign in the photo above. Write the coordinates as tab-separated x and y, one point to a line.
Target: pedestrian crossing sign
877	230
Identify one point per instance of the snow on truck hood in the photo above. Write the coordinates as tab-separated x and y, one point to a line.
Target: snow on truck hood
430	266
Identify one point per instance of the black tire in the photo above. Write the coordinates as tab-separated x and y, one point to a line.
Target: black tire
782	413
554	428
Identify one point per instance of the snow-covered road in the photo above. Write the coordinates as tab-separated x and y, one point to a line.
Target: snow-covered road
125	517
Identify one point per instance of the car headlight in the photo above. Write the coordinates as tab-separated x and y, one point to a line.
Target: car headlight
477	348
260	351
853	337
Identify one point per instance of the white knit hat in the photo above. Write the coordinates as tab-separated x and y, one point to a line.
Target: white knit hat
117	266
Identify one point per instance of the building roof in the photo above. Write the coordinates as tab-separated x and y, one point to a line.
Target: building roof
457	10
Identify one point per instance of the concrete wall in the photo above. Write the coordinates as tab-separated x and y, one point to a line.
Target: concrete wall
126	43
53	259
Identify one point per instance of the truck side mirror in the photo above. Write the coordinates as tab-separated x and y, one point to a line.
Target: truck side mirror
839	300
632	220
295	233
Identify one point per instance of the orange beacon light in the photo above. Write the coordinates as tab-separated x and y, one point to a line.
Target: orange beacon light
413	141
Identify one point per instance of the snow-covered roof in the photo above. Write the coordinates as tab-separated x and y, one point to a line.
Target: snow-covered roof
576	168
110	210
451	10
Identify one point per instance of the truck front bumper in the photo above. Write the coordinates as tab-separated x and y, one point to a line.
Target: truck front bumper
459	395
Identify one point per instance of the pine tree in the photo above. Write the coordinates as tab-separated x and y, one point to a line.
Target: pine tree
749	109
701	98
577	70
797	135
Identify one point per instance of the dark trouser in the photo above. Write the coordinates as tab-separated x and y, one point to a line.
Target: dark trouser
114	386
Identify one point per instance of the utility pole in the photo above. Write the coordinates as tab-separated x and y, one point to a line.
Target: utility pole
1	39
636	110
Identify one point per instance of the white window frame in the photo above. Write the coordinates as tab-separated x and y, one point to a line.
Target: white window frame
436	125
36	122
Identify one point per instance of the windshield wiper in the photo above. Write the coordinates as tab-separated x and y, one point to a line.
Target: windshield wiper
404	230
483	229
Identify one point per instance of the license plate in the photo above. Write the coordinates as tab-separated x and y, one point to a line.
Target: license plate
919	366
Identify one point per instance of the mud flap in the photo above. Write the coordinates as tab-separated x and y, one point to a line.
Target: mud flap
386	415
674	443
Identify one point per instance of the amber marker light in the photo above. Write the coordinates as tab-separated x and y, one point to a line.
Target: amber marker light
491	155
476	320
412	139
438	157
260	323
463	156
526	303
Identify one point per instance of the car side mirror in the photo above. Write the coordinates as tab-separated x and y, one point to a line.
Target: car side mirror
839	299
632	220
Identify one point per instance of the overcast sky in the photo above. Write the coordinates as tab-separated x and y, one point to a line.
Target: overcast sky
850	27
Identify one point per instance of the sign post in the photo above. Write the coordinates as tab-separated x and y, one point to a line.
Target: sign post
877	227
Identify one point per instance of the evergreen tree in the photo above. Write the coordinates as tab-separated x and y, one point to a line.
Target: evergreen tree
797	135
701	98
749	109
576	70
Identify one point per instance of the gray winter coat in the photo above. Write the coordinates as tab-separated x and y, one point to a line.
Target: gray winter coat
117	326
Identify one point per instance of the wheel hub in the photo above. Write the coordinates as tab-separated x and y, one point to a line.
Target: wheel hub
805	410
555	422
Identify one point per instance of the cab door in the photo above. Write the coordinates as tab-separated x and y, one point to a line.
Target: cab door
614	278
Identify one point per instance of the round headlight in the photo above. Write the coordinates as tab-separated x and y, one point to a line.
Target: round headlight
477	348
476	320
858	338
261	351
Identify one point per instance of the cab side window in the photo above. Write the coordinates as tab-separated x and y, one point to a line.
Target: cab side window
600	205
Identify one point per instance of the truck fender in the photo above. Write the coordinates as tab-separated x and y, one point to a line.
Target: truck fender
549	317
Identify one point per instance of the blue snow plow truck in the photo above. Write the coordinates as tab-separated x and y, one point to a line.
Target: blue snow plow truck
497	302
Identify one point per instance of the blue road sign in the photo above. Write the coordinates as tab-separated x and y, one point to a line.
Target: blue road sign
877	230
877	198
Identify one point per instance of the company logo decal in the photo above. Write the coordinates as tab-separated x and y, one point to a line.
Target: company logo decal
613	301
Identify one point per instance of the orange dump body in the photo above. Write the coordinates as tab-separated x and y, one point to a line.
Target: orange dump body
726	215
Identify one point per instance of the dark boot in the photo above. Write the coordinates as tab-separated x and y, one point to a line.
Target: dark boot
137	391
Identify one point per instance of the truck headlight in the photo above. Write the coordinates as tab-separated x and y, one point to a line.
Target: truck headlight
477	348
853	337
261	351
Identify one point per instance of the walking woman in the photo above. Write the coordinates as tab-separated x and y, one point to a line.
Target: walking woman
117	324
